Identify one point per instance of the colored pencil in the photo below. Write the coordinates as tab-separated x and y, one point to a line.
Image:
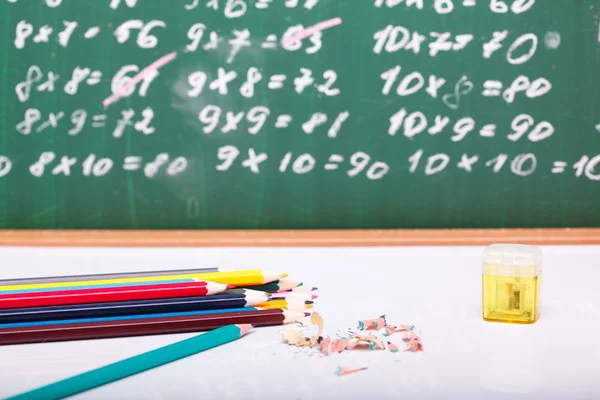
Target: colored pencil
236	278
300	289
126	317
287	304
293	295
114	275
136	364
150	326
130	293
126	284
122	308
278	285
244	291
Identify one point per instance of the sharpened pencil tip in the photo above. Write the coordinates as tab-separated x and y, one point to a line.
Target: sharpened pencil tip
230	287
244	328
306	314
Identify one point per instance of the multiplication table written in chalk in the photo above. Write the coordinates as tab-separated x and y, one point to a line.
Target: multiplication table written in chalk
299	113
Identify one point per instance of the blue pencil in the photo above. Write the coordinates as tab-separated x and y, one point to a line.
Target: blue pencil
237	298
126	317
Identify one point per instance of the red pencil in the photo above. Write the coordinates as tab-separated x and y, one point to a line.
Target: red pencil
111	294
146	326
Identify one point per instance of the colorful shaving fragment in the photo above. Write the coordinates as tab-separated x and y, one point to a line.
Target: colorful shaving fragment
414	345
354	340
372	324
413	342
342	345
370	341
334	345
390	329
324	346
346	371
376	344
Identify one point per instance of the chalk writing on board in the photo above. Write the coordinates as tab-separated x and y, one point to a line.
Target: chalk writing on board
382	92
93	165
76	121
522	165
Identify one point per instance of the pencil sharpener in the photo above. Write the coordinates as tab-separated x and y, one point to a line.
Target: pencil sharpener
511	283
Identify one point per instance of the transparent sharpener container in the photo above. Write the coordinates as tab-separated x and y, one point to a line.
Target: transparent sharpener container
511	283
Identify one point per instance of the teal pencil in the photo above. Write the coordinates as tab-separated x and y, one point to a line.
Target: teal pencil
135	365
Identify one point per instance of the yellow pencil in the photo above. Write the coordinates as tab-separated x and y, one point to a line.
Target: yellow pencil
286	304
247	277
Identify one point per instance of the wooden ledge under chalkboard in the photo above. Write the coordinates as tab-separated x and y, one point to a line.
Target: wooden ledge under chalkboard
296	238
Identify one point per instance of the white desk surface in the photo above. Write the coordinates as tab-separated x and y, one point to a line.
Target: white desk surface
436	289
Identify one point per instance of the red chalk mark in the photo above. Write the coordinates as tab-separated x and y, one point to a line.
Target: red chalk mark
321	26
140	75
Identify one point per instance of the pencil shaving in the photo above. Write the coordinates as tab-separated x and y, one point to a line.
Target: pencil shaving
371	335
372	324
390	329
413	342
372	342
341	371
317	320
324	347
414	345
296	338
342	344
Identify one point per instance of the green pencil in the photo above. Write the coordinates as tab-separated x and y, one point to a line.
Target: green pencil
276	286
136	364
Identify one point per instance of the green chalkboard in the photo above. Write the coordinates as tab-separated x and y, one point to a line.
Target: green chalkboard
260	114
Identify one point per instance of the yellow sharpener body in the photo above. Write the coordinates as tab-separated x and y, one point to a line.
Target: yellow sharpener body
511	283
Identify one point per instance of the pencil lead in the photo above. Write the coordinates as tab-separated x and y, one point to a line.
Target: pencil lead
270	276
244	328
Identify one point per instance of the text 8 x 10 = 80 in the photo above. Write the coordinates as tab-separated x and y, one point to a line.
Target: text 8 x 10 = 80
51	164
